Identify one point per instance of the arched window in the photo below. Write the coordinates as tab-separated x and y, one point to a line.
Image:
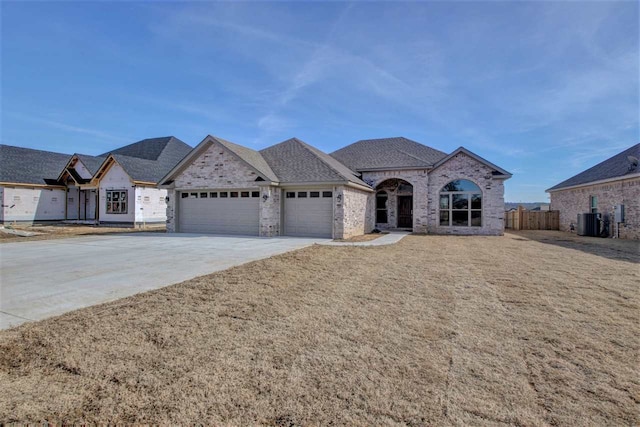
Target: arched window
381	207
461	204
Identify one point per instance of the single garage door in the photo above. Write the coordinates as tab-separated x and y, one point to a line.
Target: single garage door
308	213
219	212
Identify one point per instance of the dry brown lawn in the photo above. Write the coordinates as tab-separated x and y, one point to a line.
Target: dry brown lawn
65	231
526	329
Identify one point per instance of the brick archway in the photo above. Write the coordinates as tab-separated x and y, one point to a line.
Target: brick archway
394	204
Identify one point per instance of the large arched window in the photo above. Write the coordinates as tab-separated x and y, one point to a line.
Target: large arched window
461	204
381	207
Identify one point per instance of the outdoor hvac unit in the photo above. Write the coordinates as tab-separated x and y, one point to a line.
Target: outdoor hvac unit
589	224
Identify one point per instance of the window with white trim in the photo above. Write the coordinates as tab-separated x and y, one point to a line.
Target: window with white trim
461	204
116	201
593	202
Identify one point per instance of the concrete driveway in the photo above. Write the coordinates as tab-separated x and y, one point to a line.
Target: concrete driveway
41	279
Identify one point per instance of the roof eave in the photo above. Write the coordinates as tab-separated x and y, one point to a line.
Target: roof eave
600	181
27	184
325	183
395	168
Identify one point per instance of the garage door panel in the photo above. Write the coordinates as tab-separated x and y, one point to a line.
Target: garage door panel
227	215
308	216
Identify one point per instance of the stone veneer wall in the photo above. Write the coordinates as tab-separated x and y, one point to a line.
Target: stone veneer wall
419	179
573	201
462	166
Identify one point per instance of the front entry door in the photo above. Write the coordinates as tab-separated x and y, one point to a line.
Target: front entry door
405	211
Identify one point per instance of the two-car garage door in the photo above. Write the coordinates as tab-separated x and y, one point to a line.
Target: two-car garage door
219	212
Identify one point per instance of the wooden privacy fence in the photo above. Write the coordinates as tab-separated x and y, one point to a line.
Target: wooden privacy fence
523	219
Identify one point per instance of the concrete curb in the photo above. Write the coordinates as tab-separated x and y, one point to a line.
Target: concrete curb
389	239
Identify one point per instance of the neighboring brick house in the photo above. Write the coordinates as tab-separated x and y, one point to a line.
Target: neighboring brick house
615	181
115	187
295	189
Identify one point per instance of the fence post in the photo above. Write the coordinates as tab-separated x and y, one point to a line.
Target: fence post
520	217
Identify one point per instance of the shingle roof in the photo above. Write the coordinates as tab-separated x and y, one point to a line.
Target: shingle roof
28	166
150	159
296	161
613	167
387	153
149	149
92	163
253	157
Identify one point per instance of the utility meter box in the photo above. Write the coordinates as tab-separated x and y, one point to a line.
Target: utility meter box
618	213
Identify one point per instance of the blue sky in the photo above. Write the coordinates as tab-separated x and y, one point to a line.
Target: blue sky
543	89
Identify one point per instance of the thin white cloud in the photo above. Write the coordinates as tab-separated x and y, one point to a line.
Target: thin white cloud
67	127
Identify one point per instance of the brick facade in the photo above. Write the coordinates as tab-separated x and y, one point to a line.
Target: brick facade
426	193
171	210
354	210
350	215
573	201
462	166
217	168
270	211
418	178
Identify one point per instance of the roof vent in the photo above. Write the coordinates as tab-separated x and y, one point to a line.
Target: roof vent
633	163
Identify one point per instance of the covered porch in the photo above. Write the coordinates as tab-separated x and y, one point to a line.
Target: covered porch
394	205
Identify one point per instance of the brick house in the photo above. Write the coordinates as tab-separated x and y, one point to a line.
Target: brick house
294	189
615	181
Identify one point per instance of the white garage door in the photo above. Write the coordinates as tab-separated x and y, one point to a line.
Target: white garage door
308	213
219	211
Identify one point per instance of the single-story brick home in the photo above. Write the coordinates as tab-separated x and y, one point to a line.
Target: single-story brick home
119	186
294	189
599	189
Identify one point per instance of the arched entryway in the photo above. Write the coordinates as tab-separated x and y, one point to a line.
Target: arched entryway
394	204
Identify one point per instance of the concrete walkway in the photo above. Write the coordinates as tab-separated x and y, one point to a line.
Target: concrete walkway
387	239
41	279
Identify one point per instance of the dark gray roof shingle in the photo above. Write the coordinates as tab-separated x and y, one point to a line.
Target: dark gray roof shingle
385	153
296	161
613	167
252	157
149	149
150	159
28	166
92	163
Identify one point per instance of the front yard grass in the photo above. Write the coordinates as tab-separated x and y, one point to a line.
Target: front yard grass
525	329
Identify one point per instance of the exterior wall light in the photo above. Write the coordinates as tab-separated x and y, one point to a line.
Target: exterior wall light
265	197
339	198
166	199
